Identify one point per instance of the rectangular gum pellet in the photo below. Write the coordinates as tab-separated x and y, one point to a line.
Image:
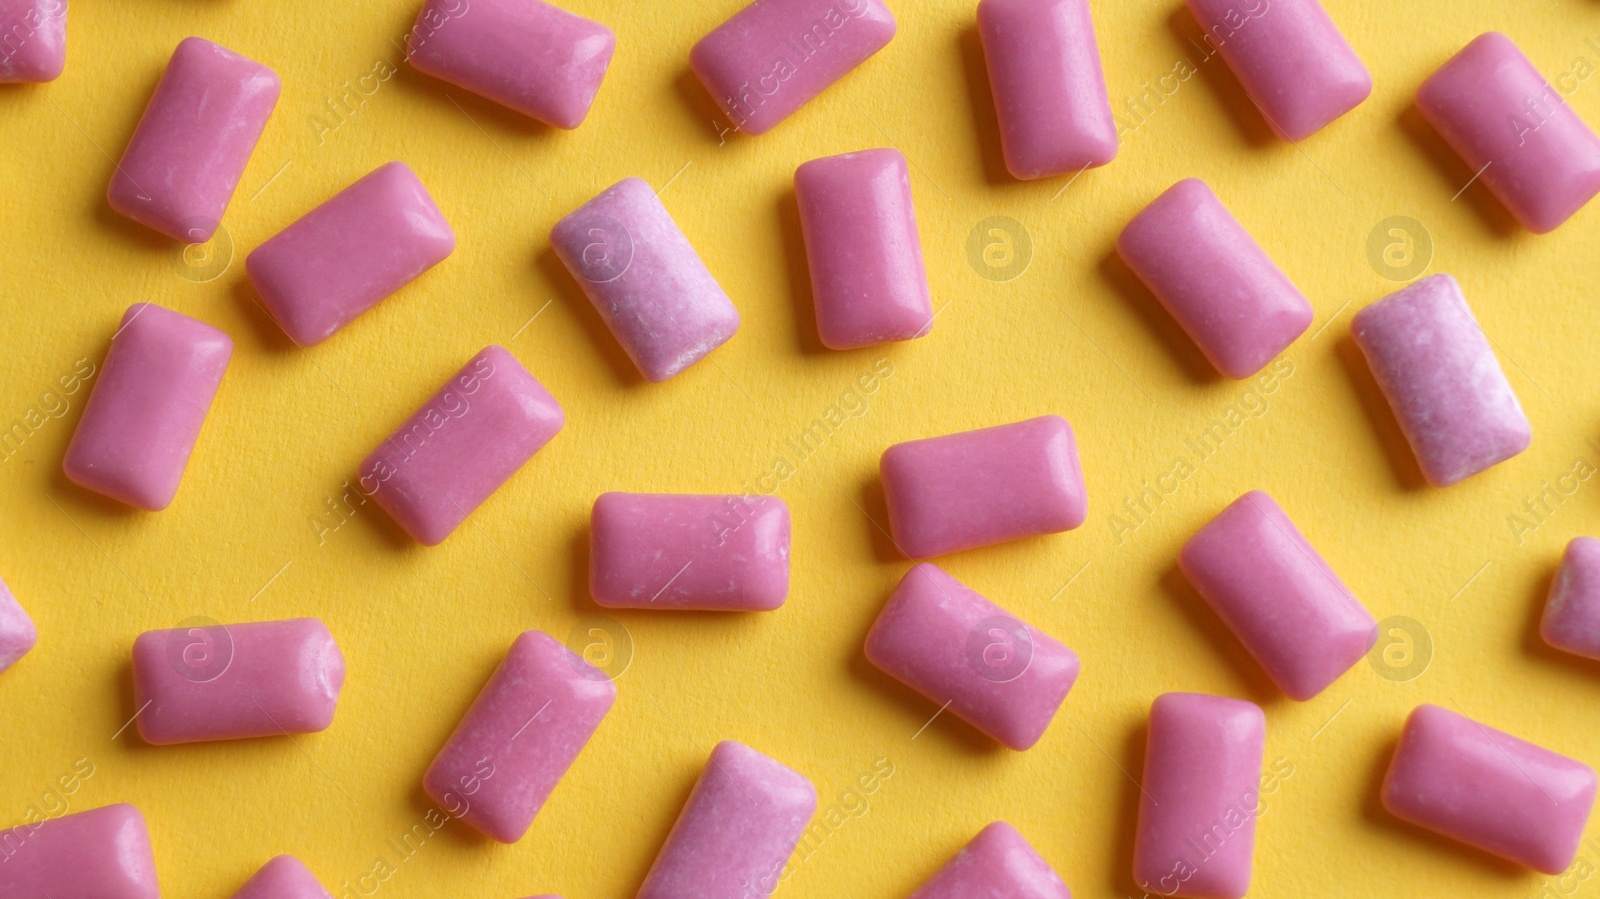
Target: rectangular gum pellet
343	257
995	671
102	853
1210	274
960	491
1278	596
735	834
1571	619
671	551
206	681
17	633
1516	131
1291	59
998	862
523	732
466	440
285	877
530	56
867	275
1200	796
34	49
646	281
144	414
195	138
773	56
1049	90
1489	789
1438	371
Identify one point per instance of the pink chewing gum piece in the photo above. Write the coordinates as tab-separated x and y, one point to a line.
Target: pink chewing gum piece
144	414
194	140
673	551
1571	613
1278	596
867	275
645	280
1438	371
997	864
995	671
1049	90
523	732
1211	275
1201	793
537	59
466	440
102	853
1291	59
960	491
774	56
343	257
1517	132
234	681
1489	789
34	48
17	634
735	834
285	877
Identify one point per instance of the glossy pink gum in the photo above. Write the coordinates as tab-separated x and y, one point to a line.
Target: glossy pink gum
735	834
285	877
194	140
774	56
102	853
35	45
1278	596
535	58
867	276
17	634
466	440
1049	90
997	864
1489	789
523	732
235	681
995	671
1211	275
646	281
1517	132
1200	796
960	491
144	414
343	257
675	551
1439	373
1571	613
1291	59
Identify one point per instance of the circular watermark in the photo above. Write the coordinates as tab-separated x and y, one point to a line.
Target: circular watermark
999	649
1399	248
607	248
603	643
199	649
1403	650
999	248
202	261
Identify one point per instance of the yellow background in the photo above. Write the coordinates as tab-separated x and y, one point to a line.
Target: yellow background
422	627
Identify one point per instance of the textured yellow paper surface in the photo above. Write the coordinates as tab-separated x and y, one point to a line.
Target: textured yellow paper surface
253	533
